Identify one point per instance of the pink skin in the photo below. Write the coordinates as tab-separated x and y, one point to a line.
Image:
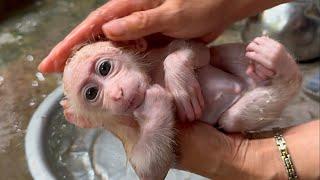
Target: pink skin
135	99
270	59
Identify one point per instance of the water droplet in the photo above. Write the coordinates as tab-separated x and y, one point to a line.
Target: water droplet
265	32
59	82
19	37
261	119
40	76
33	23
43	95
1	80
35	83
261	110
218	96
268	101
30	58
32	103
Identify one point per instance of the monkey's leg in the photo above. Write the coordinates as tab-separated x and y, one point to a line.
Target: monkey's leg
264	104
259	107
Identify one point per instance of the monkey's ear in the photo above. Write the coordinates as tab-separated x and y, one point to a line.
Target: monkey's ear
138	45
72	117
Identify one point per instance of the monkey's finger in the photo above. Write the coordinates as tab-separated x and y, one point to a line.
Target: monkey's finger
91	27
250	68
259	58
196	107
137	25
198	94
260	40
188	110
259	73
252	47
264	41
251	73
264	70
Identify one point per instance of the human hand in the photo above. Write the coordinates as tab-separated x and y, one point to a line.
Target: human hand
143	17
208	152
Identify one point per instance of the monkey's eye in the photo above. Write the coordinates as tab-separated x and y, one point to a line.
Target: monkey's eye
104	67
91	93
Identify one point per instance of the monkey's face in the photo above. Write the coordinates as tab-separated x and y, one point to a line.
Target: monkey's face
101	78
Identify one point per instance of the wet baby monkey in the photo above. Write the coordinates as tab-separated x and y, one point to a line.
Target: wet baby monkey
138	93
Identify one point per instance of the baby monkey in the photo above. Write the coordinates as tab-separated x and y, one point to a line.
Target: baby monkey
135	92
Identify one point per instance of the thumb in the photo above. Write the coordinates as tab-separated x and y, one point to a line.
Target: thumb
136	25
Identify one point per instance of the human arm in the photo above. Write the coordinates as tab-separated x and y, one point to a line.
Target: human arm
212	154
135	19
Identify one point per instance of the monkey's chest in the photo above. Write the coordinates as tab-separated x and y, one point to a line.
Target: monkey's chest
220	91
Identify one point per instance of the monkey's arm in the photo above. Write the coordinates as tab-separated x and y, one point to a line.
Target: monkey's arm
153	154
184	57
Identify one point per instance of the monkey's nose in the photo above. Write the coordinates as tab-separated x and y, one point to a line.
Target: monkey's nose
116	94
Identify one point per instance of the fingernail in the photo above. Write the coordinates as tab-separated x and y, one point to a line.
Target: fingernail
115	28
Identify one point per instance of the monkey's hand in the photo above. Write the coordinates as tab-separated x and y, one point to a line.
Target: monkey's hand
153	155
270	59
181	81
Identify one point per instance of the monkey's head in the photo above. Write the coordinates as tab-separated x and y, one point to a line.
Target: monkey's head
101	81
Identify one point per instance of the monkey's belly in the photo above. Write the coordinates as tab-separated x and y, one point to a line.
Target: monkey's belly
220	91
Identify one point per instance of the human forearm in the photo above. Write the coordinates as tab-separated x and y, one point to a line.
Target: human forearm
212	154
261	158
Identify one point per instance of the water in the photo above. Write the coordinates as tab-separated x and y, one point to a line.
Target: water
25	38
90	154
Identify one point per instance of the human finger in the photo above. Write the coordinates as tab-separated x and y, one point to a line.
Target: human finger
137	25
91	27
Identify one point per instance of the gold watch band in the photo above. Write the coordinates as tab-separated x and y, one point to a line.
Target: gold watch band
285	156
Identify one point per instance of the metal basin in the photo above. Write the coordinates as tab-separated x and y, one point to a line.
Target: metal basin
58	150
295	24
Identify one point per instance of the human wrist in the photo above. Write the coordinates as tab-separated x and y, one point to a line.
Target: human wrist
263	160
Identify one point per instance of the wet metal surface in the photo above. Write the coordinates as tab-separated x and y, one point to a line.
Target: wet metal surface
295	24
25	38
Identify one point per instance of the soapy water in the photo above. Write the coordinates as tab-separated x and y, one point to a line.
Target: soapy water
87	154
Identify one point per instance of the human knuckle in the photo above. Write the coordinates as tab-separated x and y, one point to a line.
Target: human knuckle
141	18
